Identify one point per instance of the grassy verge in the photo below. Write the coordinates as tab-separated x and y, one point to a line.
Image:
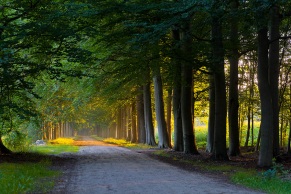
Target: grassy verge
31	174
250	178
54	149
253	180
124	143
26	177
56	146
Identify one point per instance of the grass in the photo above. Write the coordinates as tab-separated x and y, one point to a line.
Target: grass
54	149
56	146
253	180
124	143
26	177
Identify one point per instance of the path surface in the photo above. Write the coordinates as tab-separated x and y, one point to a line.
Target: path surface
107	169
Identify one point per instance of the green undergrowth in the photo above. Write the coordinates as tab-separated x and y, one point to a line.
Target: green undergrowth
56	146
54	149
270	181
26	177
127	144
254	180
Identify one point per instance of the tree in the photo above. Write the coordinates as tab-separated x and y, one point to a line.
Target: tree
234	149
186	93
140	117
219	147
274	70
150	139
176	69
159	107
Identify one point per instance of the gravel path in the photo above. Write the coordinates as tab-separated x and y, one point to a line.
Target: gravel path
106	169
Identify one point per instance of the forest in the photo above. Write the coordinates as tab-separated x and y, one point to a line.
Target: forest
180	74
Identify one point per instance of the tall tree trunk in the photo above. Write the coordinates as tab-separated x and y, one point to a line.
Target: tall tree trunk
178	131
266	147
249	126
252	120
128	123
133	123
219	151
186	94
187	124
140	117
211	117
150	137
258	139
119	123
274	69
233	85
169	115
160	111
289	139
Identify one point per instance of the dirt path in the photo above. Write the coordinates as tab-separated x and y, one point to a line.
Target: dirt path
106	169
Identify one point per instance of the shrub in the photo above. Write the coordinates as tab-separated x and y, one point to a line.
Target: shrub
16	141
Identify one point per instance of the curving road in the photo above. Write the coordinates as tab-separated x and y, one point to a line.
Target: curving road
107	169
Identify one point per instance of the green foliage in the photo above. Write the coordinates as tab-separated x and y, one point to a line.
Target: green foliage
16	141
277	171
255	181
26	177
54	149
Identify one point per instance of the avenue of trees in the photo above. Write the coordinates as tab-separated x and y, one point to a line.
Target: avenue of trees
127	69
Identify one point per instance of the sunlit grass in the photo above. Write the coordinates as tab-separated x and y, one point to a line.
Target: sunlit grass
56	146
127	144
54	149
26	177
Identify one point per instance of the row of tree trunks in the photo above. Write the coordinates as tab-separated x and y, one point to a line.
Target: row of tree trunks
52	130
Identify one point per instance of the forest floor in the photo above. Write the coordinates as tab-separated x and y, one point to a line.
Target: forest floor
105	168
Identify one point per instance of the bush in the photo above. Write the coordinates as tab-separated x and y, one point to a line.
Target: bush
16	141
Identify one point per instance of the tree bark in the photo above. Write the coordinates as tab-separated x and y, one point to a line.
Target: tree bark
266	146
289	139
219	151
186	95
249	126
211	117
160	111
150	137
178	131
140	117
133	123
274	69
119	123
233	85
169	116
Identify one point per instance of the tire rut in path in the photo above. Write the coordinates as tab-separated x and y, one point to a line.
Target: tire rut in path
111	169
